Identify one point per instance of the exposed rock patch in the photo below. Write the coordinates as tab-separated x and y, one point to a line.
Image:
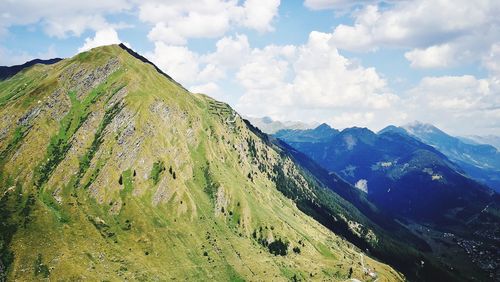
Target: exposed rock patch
162	194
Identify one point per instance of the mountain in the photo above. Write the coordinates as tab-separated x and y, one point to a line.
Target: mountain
110	170
483	139
270	126
388	166
322	133
415	184
6	72
480	161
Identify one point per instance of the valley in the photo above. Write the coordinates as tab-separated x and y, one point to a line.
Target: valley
416	185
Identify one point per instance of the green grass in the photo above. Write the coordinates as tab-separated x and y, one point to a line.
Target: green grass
111	230
69	125
21	85
156	170
59	144
49	201
14	143
40	269
96	143
8	227
211	185
128	183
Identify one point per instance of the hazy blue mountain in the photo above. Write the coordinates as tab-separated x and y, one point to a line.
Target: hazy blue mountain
398	172
322	133
270	126
479	161
493	140
413	182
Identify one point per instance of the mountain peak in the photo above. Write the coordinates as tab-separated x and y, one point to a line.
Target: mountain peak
323	127
421	126
267	120
392	129
325	130
358	130
105	151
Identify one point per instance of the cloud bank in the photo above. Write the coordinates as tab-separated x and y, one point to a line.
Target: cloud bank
317	80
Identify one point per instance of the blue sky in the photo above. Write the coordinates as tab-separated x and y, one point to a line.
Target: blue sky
347	63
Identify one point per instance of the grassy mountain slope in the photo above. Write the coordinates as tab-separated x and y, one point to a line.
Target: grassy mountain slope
6	72
109	170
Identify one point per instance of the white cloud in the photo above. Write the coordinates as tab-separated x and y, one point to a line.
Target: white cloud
193	69
263	76
173	21
259	14
265	69
431	57
462	104
177	61
211	72
10	57
63	26
452	93
324	78
177	21
416	23
61	18
334	4
491	60
102	37
194	25
231	52
161	33
210	88
462	31
313	82
458	104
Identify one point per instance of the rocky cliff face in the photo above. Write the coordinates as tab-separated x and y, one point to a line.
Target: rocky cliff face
109	171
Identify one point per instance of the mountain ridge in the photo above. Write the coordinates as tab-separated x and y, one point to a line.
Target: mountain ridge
480	161
111	171
411	180
270	126
9	71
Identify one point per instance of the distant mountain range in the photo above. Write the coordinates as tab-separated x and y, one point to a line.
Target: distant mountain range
270	126
393	168
483	139
9	71
479	161
403	172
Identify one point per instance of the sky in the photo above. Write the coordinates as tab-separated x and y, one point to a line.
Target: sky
347	63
